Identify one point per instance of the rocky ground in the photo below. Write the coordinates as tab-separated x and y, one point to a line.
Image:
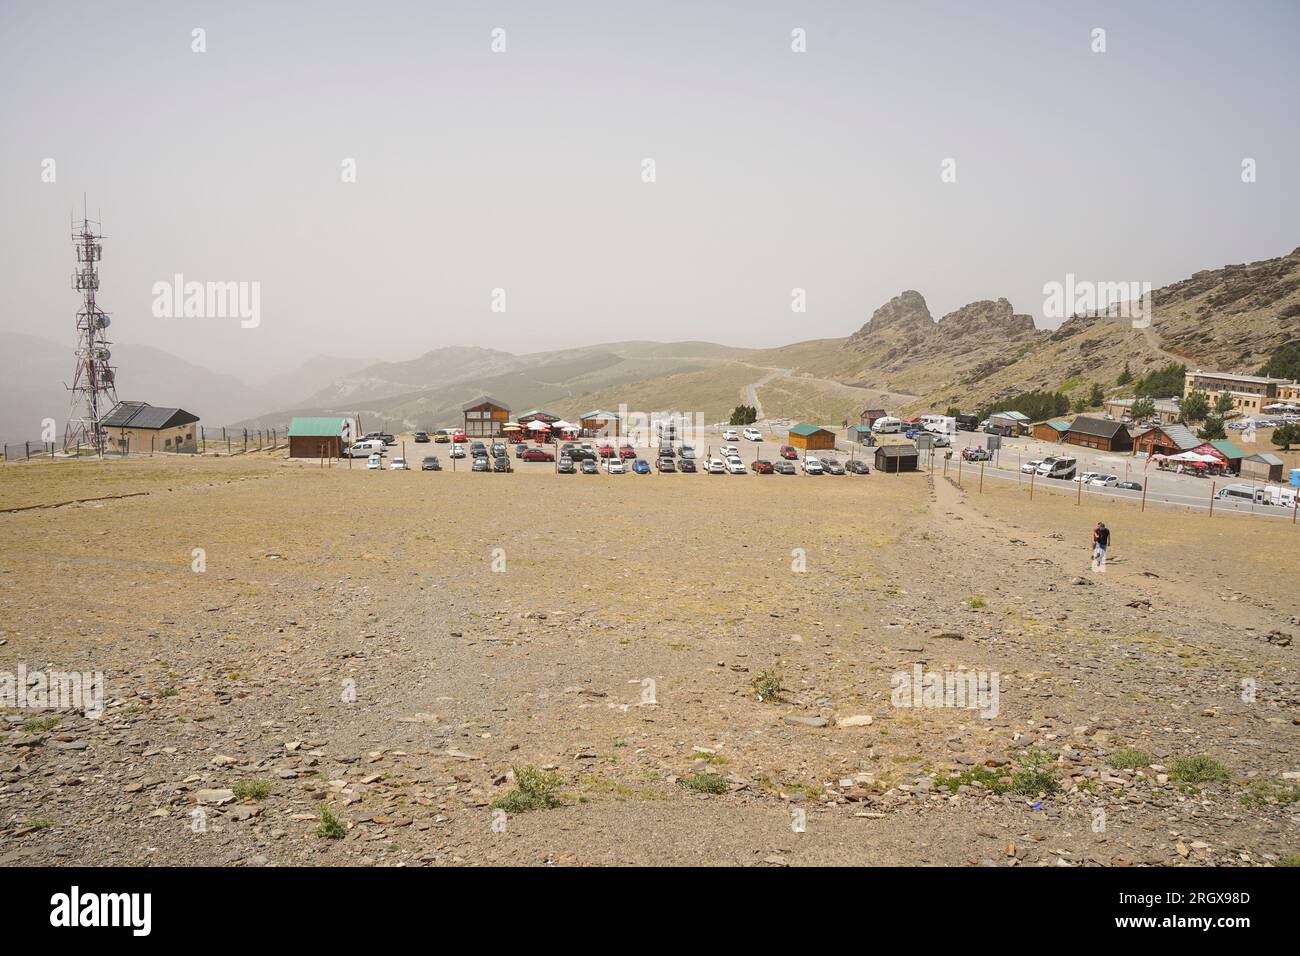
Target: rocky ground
683	669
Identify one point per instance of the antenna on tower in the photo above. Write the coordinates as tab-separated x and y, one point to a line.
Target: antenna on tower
93	387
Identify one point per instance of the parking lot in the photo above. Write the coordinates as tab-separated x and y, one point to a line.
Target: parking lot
1162	487
706	446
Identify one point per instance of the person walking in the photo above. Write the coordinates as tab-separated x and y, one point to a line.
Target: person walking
1100	543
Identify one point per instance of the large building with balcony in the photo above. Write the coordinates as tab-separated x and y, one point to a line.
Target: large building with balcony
1250	393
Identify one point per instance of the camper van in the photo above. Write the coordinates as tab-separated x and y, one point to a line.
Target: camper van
887	425
1258	494
939	424
1063	467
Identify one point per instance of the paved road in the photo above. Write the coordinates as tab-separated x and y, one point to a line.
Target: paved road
1163	488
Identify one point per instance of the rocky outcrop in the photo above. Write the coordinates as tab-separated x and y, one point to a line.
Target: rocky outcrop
905	314
985	318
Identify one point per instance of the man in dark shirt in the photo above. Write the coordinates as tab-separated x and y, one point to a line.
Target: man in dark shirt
1100	542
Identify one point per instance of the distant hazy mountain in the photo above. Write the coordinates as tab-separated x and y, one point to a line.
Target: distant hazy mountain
1230	318
32	387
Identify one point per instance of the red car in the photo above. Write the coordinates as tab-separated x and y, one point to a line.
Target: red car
788	452
606	451
627	452
536	454
459	438
761	467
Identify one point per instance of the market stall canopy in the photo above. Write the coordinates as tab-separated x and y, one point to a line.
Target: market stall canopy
539	426
563	425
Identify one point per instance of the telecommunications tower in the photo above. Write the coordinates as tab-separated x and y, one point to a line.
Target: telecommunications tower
92	388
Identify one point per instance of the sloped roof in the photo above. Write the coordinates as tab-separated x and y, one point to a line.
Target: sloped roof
1060	424
1228	448
1014	416
1181	436
537	413
1098	427
316	427
804	429
484	400
599	413
144	415
897	451
1266	459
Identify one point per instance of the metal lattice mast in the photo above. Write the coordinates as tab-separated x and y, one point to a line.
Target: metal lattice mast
93	391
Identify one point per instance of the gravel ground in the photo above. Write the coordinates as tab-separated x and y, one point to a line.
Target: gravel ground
617	645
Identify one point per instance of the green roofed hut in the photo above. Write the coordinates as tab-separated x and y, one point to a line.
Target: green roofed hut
317	436
811	437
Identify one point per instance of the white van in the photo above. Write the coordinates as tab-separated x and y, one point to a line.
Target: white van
887	425
1238	492
939	424
1063	467
364	449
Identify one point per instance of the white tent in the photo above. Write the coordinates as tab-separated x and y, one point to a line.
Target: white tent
538	426
562	425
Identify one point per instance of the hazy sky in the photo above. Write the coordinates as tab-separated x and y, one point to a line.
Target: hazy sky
522	170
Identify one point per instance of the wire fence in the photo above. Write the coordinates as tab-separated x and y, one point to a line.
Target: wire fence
209	441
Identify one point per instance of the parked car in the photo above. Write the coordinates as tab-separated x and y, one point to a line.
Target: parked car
442	436
666	451
421	437
938	439
641	466
1105	481
716	466
539	454
566	466
502	463
456	451
477	448
976	454
615	466
789	453
730	435
626	451
686	451
1130	485
589	467
375	461
364	449
784	467
729	451
481	464
1086	477
430	463
458	437
857	466
812	466
752	434
665	464
686	465
606	451
735	466
832	466
1031	466
761	466
498	449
